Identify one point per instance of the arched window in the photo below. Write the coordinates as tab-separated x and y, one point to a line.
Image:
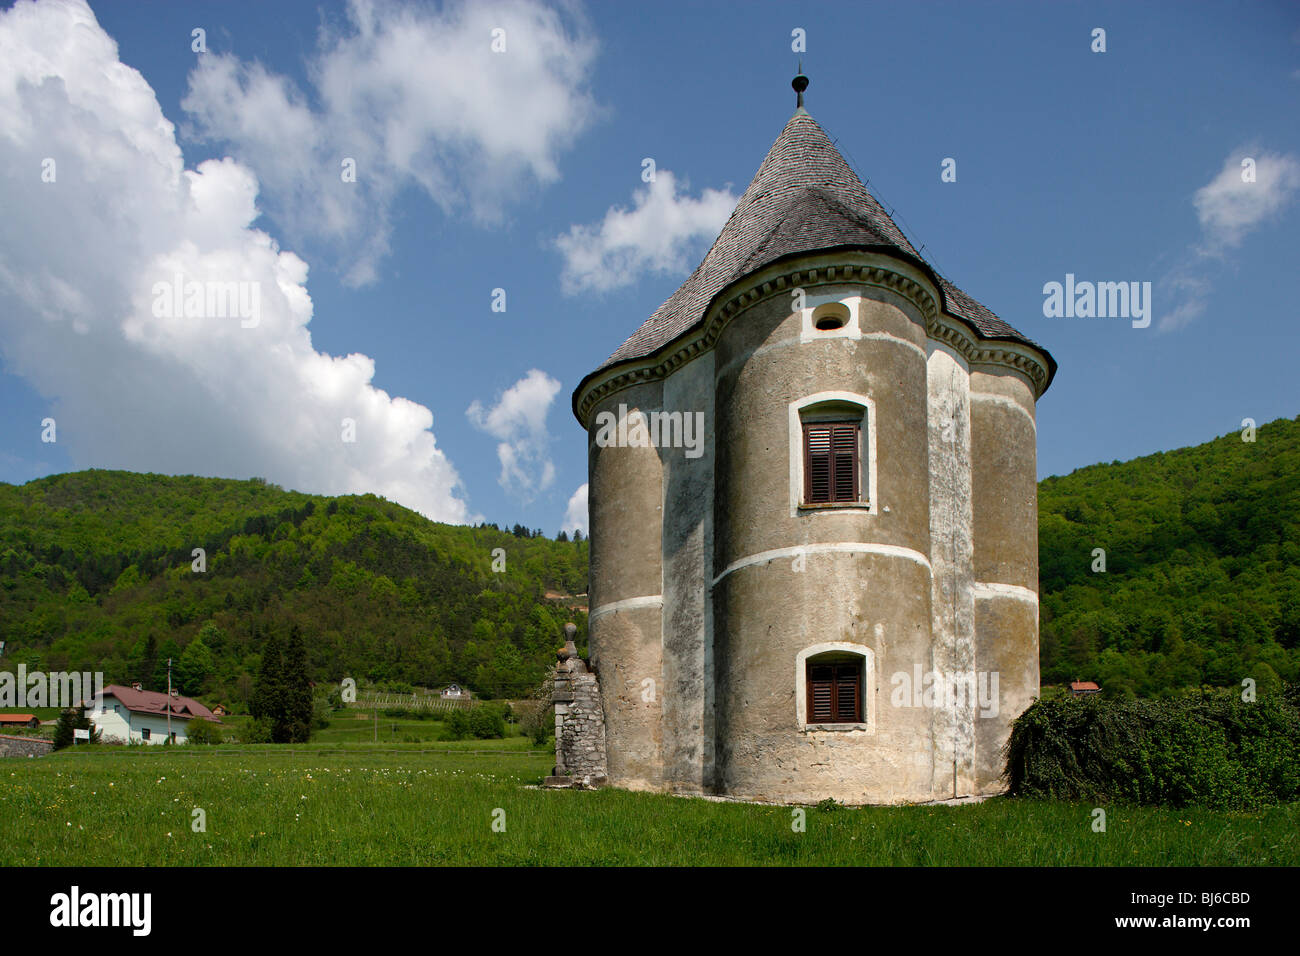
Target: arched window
834	689
832	452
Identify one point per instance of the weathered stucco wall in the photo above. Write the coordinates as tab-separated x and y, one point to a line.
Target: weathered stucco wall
625	630
1004	462
687	688
865	572
953	600
710	585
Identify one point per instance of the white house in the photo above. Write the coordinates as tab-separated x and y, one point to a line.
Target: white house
131	715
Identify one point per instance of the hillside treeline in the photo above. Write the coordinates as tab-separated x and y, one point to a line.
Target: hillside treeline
97	572
1202	567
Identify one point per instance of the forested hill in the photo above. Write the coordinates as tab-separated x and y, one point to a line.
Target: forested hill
96	573
1201	581
1202	558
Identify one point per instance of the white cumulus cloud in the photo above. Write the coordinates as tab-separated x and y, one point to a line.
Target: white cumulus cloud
1229	207
415	96
101	221
575	516
656	235
518	422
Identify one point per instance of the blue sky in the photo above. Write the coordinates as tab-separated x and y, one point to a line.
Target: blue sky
480	170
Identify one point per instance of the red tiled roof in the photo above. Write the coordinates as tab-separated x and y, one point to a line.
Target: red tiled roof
154	702
17	718
1084	685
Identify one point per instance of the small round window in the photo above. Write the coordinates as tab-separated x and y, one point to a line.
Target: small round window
831	316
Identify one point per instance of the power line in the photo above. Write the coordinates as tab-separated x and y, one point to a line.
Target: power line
908	232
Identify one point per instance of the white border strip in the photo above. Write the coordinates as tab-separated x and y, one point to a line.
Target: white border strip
628	604
835	547
997	399
993	590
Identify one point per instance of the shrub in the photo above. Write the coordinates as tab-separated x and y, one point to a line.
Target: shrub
537	721
1215	751
256	731
203	732
321	712
457	725
406	713
537	714
486	722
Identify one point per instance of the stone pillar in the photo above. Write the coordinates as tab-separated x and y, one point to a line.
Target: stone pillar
579	721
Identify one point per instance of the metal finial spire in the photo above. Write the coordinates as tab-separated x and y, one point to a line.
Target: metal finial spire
800	83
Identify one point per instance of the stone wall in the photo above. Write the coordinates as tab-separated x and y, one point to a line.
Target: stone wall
579	722
11	746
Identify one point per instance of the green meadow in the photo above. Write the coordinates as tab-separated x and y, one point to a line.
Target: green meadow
358	726
435	803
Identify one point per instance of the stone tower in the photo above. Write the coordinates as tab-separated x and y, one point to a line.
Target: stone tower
813	512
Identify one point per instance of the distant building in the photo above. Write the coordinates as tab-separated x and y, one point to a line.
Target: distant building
19	720
1083	688
131	715
454	692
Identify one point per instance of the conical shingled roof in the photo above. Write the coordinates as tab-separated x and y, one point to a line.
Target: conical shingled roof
804	198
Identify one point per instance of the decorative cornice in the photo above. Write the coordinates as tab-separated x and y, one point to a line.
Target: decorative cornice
781	280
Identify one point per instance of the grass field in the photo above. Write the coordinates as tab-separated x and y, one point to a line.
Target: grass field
358	726
347	805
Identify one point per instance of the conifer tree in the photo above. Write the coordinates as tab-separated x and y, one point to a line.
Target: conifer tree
268	692
70	719
282	695
297	690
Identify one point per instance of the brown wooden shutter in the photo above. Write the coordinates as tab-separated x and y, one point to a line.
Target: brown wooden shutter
817	463
821	698
831	463
835	693
847	694
844	451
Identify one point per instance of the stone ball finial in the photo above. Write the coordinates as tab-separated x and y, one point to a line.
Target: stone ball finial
570	645
800	83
